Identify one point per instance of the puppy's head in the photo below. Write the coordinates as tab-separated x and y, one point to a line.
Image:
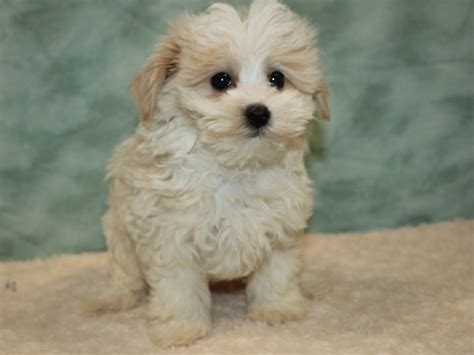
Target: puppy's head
249	81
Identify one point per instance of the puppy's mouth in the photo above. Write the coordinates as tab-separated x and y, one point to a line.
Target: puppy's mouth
257	132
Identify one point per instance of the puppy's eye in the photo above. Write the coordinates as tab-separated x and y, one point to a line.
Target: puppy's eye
277	79
221	81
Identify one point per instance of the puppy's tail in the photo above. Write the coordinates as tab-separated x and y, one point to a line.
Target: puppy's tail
112	301
313	286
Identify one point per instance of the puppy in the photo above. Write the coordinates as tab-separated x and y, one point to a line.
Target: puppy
212	184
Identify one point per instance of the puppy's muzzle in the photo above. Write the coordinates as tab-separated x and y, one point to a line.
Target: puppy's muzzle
257	115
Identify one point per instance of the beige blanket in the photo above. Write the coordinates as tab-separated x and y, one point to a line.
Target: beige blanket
405	291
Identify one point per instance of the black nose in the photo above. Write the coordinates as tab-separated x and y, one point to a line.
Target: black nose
257	115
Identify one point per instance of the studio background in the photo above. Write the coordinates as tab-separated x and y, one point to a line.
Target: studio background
398	151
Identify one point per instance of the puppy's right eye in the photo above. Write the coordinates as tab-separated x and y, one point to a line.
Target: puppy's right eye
221	81
277	79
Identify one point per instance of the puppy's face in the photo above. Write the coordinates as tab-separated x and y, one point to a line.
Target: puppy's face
249	82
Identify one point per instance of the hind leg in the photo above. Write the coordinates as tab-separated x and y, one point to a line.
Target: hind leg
127	284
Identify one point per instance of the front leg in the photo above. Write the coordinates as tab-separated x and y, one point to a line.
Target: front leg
273	291
179	308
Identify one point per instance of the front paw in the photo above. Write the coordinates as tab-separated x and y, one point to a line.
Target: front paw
178	332
278	312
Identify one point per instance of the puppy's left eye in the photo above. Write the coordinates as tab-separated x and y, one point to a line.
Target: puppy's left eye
221	81
277	79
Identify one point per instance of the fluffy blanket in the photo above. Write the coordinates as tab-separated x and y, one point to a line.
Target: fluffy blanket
402	291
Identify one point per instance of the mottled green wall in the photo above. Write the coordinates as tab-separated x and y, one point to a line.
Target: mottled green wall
398	151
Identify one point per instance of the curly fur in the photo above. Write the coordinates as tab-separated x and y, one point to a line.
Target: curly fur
194	197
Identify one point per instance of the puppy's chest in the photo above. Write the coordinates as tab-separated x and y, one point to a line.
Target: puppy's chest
230	222
244	220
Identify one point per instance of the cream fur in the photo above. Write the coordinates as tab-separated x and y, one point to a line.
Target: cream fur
194	198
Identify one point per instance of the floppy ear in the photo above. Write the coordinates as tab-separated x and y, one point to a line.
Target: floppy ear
322	101
148	83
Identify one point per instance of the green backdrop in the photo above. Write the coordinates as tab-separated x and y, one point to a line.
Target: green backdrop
399	149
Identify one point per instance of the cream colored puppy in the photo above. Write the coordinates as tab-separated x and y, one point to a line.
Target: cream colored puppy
212	185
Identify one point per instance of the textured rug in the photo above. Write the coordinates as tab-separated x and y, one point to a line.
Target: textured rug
405	291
